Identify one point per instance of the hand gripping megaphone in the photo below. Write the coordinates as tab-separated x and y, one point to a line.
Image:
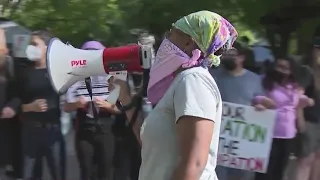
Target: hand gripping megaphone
66	65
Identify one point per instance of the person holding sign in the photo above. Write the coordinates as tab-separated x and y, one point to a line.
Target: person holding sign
280	84
240	86
94	137
180	135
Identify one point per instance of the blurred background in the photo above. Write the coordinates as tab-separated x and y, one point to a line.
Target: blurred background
278	26
266	28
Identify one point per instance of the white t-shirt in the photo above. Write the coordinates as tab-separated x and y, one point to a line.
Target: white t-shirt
193	93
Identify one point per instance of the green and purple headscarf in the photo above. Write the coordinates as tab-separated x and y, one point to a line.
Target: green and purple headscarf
210	31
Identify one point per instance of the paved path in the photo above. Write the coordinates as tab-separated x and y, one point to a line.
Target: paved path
73	168
72	164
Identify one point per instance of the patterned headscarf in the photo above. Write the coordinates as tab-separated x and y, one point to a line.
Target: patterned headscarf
210	31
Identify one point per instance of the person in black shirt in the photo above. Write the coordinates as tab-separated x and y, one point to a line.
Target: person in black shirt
41	132
9	106
94	137
309	137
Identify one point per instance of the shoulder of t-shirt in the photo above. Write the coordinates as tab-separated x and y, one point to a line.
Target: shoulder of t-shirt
253	76
215	72
196	71
200	75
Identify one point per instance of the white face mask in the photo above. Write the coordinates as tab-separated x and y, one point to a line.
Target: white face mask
33	53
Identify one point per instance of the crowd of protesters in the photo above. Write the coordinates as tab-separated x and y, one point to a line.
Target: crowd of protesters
291	88
31	110
31	126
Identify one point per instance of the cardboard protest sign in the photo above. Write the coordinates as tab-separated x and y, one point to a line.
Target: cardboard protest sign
245	137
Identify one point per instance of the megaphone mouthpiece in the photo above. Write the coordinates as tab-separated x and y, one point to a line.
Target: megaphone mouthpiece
122	58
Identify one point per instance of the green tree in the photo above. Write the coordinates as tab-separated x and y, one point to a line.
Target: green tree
74	20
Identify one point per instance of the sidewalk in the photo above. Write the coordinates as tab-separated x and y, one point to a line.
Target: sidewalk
73	167
72	164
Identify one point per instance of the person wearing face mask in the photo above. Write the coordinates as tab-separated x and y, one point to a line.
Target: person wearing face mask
180	136
280	84
241	86
42	138
309	139
94	137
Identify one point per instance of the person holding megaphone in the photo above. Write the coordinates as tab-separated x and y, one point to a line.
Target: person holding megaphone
94	137
180	136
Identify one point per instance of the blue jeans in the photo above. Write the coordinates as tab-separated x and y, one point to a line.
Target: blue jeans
43	141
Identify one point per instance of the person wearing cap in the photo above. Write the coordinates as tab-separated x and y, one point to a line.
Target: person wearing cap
42	139
180	135
94	137
309	138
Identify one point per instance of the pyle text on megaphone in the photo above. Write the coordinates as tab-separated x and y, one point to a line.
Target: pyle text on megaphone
78	63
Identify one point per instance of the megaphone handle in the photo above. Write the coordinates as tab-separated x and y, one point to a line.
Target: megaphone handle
89	88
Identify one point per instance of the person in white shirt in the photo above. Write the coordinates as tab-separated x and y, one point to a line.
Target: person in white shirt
180	135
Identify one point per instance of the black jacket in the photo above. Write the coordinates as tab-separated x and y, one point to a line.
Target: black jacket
9	88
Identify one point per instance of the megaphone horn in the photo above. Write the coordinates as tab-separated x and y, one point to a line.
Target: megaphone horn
66	65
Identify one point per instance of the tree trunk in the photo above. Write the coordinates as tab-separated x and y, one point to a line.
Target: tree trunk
271	37
284	42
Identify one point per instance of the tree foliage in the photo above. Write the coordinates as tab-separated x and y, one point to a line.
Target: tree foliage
73	20
111	20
